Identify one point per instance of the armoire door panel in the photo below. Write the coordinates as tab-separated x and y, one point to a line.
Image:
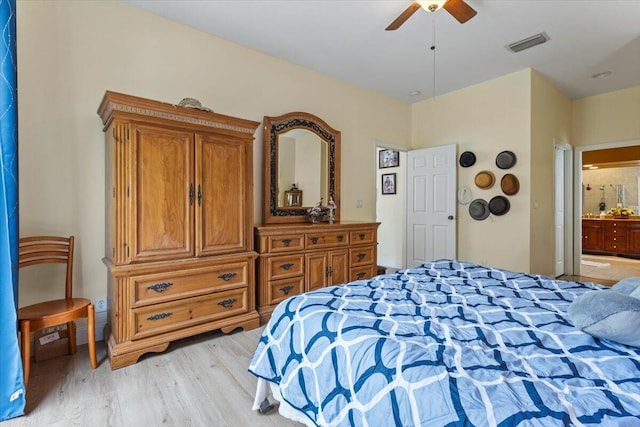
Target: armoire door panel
163	164
220	212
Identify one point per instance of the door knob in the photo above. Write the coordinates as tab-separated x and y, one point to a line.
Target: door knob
450	217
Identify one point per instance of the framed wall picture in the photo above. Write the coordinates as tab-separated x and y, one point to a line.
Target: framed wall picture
388	183
388	159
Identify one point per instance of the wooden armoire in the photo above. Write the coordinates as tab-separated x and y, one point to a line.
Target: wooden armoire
179	218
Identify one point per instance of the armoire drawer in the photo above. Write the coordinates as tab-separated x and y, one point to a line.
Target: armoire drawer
168	286
327	239
284	266
362	256
160	318
279	290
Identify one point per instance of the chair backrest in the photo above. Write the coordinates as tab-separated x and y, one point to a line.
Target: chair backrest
47	250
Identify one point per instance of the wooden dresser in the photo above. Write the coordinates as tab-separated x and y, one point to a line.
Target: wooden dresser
179	219
611	236
300	257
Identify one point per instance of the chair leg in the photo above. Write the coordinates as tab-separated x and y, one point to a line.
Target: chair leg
91	332
25	338
71	336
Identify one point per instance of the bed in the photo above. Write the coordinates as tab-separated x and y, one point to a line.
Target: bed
447	343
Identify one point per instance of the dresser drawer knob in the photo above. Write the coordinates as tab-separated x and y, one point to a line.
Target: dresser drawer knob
160	287
340	238
286	266
160	316
361	236
360	275
227	303
361	256
227	276
286	289
286	242
314	240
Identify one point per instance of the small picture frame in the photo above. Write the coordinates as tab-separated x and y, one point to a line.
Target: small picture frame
388	183
388	159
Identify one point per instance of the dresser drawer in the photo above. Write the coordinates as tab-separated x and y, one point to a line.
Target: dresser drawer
160	318
362	236
615	244
167	286
362	273
285	243
362	256
285	266
279	290
327	239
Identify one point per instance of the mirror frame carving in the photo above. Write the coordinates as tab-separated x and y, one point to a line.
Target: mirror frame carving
273	127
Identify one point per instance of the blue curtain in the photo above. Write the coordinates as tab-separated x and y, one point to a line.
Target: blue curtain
12	396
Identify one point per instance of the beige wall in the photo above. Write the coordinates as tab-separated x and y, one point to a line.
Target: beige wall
70	52
610	117
550	124
486	119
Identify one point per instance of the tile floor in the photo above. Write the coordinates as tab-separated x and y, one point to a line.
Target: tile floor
609	268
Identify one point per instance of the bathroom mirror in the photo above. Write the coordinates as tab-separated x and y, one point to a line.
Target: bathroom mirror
301	152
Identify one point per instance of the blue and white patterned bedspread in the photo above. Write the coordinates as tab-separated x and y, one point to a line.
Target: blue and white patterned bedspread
447	344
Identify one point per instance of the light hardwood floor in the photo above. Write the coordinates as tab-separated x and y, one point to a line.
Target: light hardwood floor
199	381
610	267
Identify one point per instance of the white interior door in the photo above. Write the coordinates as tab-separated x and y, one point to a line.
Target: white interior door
560	214
431	205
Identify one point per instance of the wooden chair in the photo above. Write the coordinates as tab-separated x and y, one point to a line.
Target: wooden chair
59	250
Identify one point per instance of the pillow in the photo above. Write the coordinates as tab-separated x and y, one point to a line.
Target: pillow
609	315
628	286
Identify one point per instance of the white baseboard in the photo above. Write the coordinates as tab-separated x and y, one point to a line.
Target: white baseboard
81	330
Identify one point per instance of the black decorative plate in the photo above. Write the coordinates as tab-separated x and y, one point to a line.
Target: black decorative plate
467	159
499	205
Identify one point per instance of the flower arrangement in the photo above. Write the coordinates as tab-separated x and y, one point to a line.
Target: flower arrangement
619	211
316	213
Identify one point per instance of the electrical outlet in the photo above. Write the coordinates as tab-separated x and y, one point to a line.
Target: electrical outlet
101	305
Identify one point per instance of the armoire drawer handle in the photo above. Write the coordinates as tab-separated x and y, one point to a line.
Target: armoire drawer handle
360	275
286	266
314	240
340	238
227	303
361	236
286	242
361	256
160	316
286	289
160	287
227	276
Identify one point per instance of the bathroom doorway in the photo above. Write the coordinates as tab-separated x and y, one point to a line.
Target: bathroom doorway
607	176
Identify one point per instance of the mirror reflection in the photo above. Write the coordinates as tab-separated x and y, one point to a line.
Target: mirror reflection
302	168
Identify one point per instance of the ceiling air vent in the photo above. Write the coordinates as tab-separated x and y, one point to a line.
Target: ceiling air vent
528	42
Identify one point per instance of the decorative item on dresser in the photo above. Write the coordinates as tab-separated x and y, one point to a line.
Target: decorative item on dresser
297	256
179	215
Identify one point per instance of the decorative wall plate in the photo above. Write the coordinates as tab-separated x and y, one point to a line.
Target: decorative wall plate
506	159
464	195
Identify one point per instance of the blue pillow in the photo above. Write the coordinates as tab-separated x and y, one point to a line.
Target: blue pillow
627	286
609	315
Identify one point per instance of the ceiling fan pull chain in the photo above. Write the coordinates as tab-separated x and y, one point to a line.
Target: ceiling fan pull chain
433	49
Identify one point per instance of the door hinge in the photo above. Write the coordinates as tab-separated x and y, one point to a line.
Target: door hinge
114	192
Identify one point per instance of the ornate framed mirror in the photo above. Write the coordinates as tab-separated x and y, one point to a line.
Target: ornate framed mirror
301	151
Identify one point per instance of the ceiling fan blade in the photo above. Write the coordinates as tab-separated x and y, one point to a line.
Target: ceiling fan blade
403	16
459	10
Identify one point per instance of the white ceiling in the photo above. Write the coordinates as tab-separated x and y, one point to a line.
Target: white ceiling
346	39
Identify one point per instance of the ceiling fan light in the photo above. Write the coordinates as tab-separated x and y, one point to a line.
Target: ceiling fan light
431	5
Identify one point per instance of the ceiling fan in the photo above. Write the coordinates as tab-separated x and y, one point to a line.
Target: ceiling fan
457	8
